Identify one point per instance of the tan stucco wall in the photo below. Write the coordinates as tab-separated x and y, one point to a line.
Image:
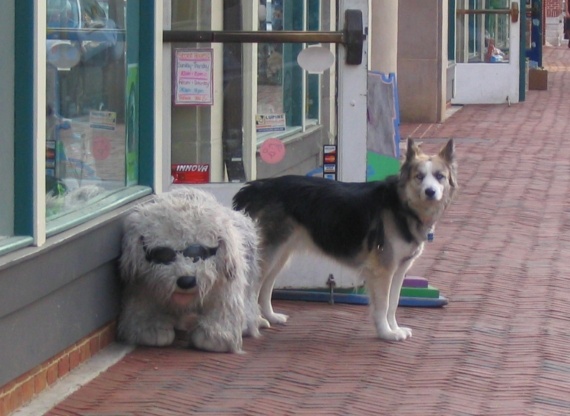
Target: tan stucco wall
422	60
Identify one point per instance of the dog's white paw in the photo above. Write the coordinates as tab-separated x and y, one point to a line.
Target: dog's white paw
403	333
263	323
397	334
252	329
156	337
277	318
203	340
407	331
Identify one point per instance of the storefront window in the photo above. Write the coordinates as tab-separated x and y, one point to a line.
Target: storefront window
91	102
483	31
267	116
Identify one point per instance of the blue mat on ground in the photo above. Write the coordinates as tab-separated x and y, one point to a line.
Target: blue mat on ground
352	298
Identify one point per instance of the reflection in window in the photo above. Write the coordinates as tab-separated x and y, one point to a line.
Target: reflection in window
91	108
274	70
482	35
293	106
284	89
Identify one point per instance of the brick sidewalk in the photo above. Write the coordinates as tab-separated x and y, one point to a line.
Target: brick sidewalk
501	346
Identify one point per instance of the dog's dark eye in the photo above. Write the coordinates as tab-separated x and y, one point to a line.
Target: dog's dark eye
198	252
439	176
161	255
167	255
420	176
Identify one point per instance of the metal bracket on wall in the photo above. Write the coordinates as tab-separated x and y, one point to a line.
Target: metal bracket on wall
352	37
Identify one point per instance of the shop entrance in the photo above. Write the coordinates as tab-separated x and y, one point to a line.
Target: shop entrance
487	39
248	98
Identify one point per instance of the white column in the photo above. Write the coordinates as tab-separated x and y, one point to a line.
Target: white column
352	102
163	143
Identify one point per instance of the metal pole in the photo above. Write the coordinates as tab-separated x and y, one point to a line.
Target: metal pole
282	36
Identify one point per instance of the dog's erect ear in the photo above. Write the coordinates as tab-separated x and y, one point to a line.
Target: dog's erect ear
413	150
447	152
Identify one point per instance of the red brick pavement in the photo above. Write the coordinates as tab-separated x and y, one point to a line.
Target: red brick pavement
501	346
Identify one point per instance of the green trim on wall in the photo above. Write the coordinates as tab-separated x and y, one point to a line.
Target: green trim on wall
451	15
522	53
146	89
13	243
293	11
24	119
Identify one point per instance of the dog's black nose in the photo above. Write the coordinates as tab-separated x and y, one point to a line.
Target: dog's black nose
430	193
186	282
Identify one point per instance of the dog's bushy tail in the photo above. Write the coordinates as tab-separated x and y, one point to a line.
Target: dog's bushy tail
246	199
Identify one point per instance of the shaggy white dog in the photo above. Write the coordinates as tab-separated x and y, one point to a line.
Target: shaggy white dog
189	263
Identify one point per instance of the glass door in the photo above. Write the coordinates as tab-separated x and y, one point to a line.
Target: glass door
487	51
245	109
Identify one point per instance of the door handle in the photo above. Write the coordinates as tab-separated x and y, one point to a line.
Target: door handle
354	36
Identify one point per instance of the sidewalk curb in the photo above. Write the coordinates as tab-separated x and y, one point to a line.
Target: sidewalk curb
73	381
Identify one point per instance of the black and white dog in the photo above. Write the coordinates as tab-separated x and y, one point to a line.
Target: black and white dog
377	228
